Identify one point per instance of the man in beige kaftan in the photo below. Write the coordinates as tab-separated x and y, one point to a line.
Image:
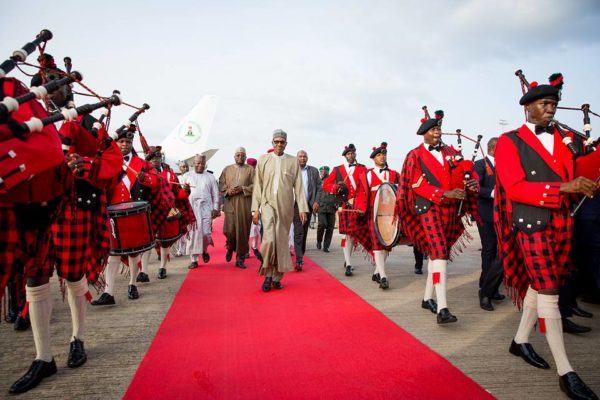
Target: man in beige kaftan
235	184
277	185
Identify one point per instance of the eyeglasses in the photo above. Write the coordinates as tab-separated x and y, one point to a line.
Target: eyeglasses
279	141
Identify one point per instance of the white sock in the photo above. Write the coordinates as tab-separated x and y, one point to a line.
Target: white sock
439	267
348	250
548	310
164	254
40	310
529	316
110	274
428	283
77	304
145	261
194	257
380	257
133	269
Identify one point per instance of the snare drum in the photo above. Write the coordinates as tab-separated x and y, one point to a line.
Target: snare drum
130	228
170	231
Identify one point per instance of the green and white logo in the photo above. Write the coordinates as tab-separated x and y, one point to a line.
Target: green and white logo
190	132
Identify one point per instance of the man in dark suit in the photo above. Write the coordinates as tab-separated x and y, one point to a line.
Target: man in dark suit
312	186
491	268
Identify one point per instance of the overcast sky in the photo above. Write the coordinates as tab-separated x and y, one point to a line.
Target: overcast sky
328	74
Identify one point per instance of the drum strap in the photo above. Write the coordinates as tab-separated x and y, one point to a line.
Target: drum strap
422	205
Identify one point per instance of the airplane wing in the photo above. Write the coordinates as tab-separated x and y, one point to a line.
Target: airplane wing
190	136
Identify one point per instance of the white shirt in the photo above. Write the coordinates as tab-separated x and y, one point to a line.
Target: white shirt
545	138
437	154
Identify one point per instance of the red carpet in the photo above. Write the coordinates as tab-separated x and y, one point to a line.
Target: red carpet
223	338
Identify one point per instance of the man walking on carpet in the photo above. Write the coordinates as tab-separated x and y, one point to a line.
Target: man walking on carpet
277	183
235	184
204	196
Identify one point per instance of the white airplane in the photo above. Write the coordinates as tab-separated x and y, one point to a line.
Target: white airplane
190	136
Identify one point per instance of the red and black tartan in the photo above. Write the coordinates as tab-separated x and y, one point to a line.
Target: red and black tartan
81	241
162	201
437	231
543	260
9	239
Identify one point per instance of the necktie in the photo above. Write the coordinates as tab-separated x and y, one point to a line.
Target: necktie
352	165
383	169
541	129
126	158
436	148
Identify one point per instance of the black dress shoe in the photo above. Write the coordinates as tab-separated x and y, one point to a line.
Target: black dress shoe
142	277
318	245
445	317
22	323
77	356
486	304
37	371
240	264
228	255
277	285
325	250
348	270
105	299
575	388
257	254
582	313
193	265
569	326
418	270
498	297
376	278
205	257
526	352
384	284
132	292
162	273
266	286
429	305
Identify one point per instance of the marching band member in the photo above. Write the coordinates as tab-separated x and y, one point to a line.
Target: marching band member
342	182
182	213
68	232
368	184
535	177
138	182
430	190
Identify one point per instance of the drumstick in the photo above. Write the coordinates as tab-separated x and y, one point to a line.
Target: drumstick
179	183
350	210
137	173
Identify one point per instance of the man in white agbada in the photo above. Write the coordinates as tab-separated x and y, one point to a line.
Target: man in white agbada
204	196
277	183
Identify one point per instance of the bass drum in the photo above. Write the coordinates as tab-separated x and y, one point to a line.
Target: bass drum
385	221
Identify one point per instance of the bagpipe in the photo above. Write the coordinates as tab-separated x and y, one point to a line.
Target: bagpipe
454	156
21	54
584	143
29	142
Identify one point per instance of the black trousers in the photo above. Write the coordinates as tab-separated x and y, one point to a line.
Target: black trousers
584	280
492	272
326	226
300	233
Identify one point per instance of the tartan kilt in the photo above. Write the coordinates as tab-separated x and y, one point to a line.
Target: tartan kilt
26	246
441	228
348	222
373	242
81	241
547	253
9	239
362	233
